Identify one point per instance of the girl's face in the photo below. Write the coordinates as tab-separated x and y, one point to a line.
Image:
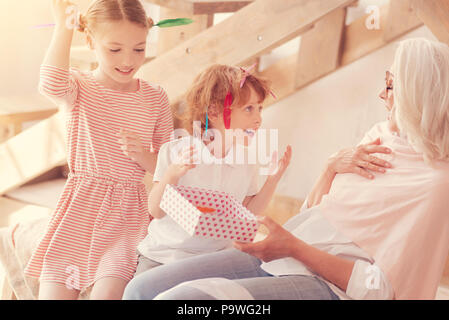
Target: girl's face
245	120
248	118
120	49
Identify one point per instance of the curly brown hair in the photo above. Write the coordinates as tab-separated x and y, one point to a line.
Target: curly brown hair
210	88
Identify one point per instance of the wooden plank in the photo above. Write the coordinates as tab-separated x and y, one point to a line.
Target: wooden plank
169	38
32	152
44	194
19	109
195	7
229	43
435	14
320	48
13	211
401	16
358	42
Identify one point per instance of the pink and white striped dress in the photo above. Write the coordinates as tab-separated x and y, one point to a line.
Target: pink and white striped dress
102	213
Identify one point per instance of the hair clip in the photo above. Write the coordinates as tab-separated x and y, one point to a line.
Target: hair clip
246	73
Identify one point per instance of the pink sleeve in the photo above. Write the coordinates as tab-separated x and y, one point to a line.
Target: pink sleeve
59	85
163	132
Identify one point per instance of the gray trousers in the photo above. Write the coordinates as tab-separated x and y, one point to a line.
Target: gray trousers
229	264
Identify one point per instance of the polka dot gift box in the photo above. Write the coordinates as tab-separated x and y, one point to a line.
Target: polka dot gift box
209	213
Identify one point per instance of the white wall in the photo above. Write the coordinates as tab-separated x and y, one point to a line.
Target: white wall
330	114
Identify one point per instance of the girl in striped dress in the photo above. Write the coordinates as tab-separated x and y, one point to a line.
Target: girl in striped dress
115	126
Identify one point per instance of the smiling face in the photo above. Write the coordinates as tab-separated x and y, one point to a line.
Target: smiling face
245	120
120	50
387	96
248	117
387	93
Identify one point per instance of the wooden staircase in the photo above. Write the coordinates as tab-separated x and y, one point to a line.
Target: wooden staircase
327	43
254	29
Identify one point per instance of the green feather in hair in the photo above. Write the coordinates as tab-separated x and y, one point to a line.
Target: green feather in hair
173	22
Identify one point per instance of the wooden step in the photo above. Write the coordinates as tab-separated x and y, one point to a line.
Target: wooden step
357	42
43	194
195	7
14	211
17	110
176	69
32	152
435	14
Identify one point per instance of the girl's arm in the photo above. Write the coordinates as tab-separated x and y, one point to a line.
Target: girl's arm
58	53
259	202
148	161
55	80
171	176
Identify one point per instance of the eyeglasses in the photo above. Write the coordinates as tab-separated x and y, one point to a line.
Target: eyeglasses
388	81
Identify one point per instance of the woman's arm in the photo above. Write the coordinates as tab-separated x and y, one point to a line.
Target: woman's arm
352	160
359	279
334	269
280	244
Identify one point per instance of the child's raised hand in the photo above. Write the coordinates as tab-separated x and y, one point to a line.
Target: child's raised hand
131	145
62	11
277	168
187	157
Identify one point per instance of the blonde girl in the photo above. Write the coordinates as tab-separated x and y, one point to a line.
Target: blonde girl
116	125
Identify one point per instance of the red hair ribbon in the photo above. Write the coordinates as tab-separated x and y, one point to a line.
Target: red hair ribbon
227	110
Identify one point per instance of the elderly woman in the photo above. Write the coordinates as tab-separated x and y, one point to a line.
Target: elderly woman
361	234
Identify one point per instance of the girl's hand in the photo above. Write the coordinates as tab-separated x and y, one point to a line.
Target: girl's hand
187	157
131	145
359	161
278	244
277	168
64	12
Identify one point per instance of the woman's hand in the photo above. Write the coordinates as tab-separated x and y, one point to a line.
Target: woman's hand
278	244
359	160
277	168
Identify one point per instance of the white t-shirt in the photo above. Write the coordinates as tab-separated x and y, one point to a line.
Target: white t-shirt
166	240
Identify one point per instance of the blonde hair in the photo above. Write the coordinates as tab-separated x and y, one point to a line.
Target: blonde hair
103	11
421	96
210	88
